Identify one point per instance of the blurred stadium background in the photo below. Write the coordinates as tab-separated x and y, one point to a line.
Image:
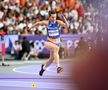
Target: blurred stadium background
85	44
16	16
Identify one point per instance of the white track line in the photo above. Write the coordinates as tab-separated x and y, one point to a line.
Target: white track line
37	71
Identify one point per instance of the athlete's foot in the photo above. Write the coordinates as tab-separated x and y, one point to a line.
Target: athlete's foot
60	69
42	70
3	64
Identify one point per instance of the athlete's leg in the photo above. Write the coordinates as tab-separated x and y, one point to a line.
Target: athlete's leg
49	46
57	59
24	55
54	49
50	60
30	53
56	55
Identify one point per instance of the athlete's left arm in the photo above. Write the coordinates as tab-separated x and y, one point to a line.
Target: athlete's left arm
65	23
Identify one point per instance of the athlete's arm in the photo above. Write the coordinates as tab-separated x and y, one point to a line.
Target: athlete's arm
39	23
65	23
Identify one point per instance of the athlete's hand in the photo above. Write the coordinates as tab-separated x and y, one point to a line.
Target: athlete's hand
63	17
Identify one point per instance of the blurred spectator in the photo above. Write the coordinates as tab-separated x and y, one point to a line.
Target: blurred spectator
91	45
17	48
33	51
63	52
73	4
25	48
82	46
22	2
14	32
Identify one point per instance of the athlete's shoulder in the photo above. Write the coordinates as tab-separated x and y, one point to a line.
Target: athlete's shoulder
59	22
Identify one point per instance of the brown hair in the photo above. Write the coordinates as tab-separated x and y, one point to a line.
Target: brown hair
52	12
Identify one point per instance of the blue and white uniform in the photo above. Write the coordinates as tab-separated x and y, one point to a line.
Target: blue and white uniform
53	31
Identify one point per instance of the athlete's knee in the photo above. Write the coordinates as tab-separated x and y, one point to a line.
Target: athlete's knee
56	49
51	58
56	54
51	54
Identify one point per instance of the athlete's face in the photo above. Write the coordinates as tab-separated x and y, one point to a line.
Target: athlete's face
53	18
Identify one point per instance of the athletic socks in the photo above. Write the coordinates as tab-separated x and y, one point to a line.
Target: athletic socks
44	67
58	65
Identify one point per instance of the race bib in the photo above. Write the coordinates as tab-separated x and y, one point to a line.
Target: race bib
53	32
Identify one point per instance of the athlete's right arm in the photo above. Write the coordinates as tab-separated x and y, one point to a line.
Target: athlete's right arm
39	23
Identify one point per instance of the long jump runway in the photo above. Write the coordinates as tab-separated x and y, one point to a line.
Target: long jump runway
26	78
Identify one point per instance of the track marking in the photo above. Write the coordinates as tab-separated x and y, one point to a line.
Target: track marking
44	85
50	69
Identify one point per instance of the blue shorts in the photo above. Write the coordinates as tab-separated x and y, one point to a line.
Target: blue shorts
57	44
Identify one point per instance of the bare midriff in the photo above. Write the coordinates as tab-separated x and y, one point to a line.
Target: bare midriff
54	40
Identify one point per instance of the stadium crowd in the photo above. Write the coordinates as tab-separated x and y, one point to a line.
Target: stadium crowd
16	16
